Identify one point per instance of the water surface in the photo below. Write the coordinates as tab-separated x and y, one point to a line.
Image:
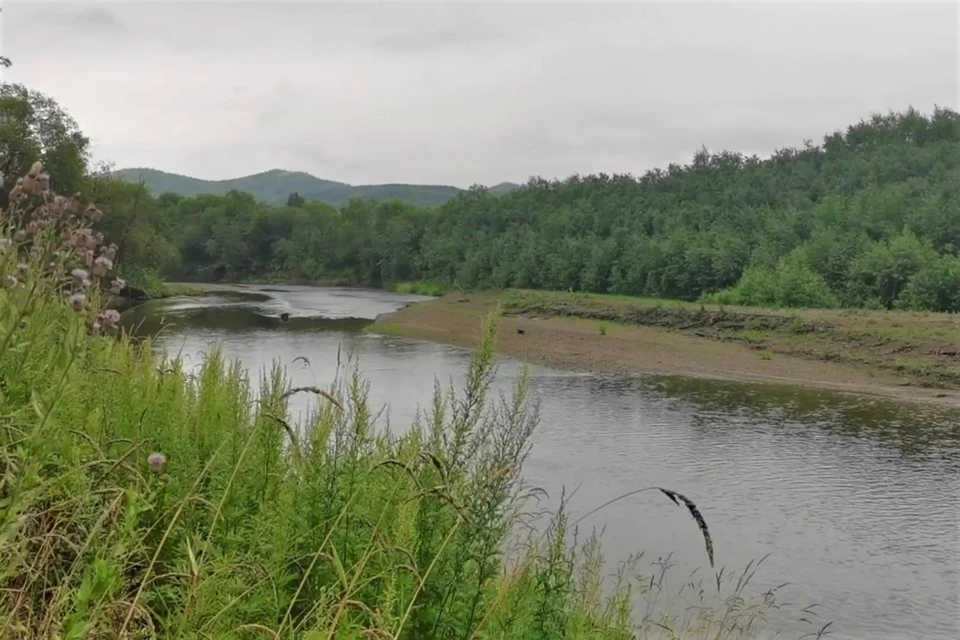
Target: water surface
855	500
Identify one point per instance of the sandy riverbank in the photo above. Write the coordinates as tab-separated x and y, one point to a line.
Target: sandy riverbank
584	344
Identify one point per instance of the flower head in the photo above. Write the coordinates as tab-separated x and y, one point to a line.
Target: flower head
109	318
77	301
80	277
117	286
156	461
101	265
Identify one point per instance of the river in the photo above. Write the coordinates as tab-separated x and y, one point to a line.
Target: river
853	501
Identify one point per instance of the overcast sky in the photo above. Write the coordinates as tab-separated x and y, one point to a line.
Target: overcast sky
462	93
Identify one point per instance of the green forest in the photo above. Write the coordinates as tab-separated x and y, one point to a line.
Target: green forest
869	218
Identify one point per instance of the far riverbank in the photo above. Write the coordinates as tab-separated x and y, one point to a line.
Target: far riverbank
909	357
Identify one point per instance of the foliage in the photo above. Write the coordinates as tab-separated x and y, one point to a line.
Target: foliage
142	500
847	223
850	223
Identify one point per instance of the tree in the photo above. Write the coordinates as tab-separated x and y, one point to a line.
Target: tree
295	200
34	127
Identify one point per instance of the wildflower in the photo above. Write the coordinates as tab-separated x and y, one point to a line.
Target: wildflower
156	461
109	318
80	278
101	265
77	301
117	286
93	214
109	252
43	181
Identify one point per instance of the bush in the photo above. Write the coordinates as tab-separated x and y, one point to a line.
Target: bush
935	287
792	284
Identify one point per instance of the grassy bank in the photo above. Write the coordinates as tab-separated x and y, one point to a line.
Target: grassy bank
141	500
897	355
922	348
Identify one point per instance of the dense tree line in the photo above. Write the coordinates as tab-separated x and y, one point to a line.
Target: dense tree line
868	218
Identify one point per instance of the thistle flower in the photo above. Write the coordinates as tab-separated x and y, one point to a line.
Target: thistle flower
156	461
93	214
117	286
43	181
77	301
109	252
80	278
109	318
101	265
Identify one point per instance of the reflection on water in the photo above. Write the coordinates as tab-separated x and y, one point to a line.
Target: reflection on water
855	499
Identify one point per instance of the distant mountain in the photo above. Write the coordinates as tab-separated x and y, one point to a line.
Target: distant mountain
276	185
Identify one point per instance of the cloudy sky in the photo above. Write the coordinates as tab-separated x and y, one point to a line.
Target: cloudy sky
462	93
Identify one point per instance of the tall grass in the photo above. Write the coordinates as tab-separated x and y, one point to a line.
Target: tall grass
140	500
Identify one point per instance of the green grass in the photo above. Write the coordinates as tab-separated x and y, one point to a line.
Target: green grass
603	327
423	288
253	527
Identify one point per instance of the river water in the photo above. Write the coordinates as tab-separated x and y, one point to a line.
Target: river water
854	502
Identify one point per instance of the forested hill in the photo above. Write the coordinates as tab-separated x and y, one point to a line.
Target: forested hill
869	217
276	186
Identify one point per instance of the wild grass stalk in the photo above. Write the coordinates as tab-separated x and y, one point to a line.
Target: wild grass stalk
138	499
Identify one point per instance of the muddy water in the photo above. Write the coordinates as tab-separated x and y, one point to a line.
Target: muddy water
853	502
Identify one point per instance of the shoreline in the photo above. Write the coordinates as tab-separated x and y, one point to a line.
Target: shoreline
588	345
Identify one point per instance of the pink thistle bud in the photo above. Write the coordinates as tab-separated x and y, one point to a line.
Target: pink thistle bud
77	301
117	286
156	461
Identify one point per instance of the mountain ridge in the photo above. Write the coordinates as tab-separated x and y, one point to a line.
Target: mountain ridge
274	186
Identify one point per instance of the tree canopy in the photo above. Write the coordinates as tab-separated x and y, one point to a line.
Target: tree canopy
870	217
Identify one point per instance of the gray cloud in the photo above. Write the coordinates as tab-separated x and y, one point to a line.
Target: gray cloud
472	92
